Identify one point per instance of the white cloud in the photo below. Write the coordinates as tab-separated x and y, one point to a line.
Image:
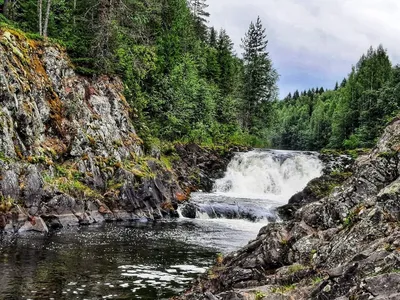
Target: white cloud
323	36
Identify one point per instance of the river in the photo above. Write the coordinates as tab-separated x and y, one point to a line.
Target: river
155	260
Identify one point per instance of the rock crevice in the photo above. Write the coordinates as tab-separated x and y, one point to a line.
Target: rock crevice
343	245
69	153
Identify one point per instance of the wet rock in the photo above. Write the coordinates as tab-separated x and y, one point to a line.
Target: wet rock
337	245
34	224
189	210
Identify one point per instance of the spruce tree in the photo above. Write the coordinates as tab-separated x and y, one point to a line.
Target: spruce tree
198	8
225	62
212	40
336	86
288	97
260	79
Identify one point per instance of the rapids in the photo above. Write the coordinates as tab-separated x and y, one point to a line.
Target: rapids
255	183
155	260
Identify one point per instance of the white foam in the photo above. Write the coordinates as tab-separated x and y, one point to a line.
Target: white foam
272	175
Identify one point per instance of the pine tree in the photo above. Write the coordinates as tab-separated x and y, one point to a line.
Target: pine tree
225	61
212	40
336	86
288	97
260	78
198	9
296	95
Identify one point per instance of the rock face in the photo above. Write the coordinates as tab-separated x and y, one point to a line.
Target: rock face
338	167
69	153
345	245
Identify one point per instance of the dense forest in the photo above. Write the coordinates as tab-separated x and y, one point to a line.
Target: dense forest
182	78
348	117
185	82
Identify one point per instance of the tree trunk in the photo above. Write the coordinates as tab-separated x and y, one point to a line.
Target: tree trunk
46	21
5	8
40	15
74	13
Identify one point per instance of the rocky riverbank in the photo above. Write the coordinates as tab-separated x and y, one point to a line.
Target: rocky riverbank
340	240
69	153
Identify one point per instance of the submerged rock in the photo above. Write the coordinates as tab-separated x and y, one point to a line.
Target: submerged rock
339	243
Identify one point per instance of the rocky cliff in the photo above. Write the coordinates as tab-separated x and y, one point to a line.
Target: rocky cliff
69	153
345	245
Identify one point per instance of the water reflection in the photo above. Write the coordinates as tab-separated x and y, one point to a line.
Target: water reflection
139	261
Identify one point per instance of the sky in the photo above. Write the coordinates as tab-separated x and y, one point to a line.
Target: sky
313	42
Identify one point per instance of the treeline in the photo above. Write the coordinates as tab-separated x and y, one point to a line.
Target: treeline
351	116
182	79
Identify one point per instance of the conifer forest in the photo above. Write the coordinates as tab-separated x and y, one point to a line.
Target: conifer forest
185	82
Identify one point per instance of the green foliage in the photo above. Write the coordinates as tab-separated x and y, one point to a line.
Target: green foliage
317	280
350	117
182	80
260	79
260	295
388	155
296	268
283	289
6	203
351	218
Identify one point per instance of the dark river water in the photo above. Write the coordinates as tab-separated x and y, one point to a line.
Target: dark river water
155	260
116	261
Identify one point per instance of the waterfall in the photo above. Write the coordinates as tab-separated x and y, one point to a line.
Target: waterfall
254	184
270	175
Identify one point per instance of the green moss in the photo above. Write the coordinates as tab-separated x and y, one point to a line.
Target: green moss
312	253
325	186
114	184
284	242
139	167
73	187
341	175
117	144
317	280
283	289
259	295
62	171
7	41
4	158
92	140
168	149
168	161
388	155
355	153
37	159
352	217
6	204
296	268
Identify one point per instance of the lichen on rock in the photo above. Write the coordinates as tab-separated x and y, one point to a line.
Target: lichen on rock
347	242
69	153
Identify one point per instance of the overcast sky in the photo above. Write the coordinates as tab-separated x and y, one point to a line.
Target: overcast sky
313	42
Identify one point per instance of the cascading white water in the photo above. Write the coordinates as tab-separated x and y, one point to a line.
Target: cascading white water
245	200
272	175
